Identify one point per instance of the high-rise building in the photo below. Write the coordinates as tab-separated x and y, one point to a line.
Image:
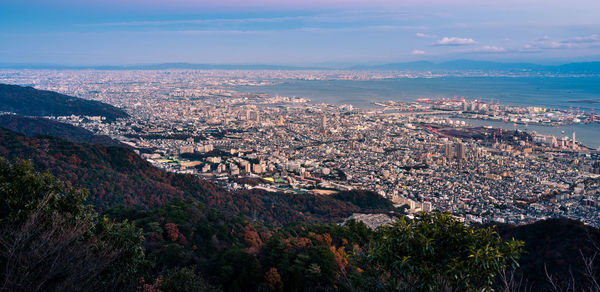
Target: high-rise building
448	151
573	141
460	150
324	122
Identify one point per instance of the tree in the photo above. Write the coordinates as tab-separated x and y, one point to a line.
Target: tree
50	240
273	280
184	280
437	252
23	191
237	270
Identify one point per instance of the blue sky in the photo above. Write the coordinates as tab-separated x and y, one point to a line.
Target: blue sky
309	32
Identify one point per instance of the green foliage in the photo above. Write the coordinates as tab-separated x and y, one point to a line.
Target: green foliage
130	263
352	231
184	280
22	190
303	255
436	252
50	240
182	244
237	270
365	199
200	232
118	176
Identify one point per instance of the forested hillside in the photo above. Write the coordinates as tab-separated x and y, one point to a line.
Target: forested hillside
142	228
32	126
32	102
118	176
51	241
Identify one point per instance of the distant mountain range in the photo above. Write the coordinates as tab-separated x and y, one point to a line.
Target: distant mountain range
470	65
159	66
455	65
29	101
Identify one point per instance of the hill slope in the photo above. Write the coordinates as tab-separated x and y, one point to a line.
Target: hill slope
116	175
42	126
32	102
556	245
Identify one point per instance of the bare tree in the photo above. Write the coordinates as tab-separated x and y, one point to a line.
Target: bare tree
511	282
52	252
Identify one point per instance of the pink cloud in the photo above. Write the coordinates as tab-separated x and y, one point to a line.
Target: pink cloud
423	36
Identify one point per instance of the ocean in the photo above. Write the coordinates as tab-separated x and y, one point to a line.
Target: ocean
549	92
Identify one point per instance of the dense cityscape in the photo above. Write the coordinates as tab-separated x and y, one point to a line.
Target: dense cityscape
420	154
271	146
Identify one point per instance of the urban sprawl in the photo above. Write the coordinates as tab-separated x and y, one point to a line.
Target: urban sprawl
421	155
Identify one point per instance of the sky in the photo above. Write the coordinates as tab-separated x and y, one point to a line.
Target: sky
297	32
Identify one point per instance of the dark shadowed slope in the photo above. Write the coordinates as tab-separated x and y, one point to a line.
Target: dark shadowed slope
558	246
32	126
365	199
32	102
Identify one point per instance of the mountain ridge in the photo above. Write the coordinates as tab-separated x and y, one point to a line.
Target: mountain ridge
32	126
458	64
28	101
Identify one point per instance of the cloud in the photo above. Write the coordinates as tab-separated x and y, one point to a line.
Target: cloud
423	36
218	21
554	45
585	39
392	27
203	32
418	52
343	16
455	41
489	49
561	45
547	46
543	39
547	43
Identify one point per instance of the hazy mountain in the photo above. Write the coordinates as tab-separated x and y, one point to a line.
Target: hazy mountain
458	65
159	66
471	65
32	102
453	65
582	67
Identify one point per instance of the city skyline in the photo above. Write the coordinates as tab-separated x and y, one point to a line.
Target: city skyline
327	33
